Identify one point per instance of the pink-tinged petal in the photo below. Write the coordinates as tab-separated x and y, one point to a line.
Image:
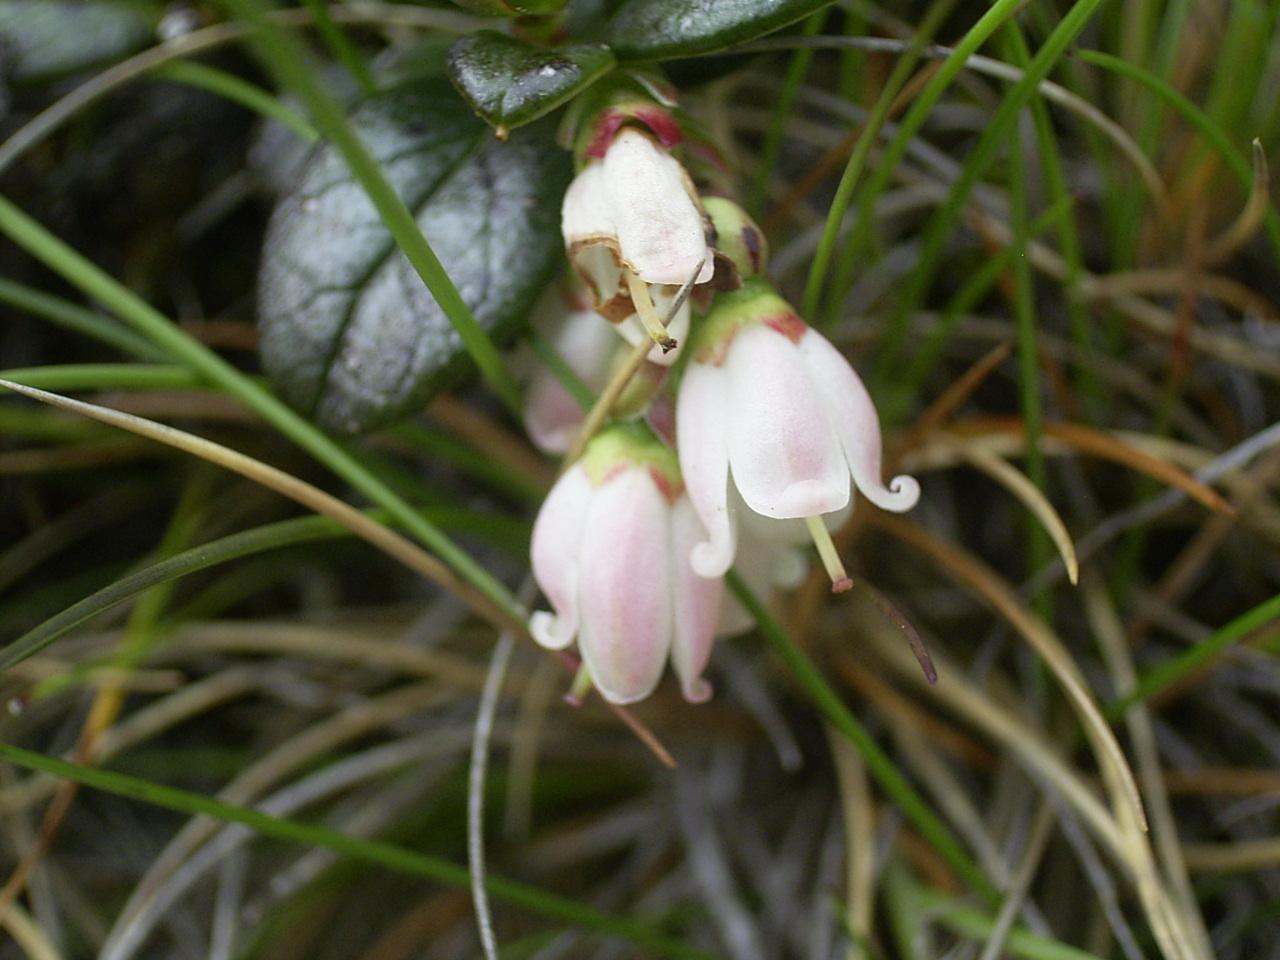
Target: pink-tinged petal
625	632
660	230
696	606
701	442
555	553
766	566
633	332
854	417
551	415
784	457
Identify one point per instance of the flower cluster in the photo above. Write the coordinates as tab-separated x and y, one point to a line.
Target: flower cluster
773	431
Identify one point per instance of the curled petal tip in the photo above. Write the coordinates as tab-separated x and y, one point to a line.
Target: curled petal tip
697	690
900	495
711	559
550	631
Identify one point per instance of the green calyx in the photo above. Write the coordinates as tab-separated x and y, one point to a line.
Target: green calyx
632	444
755	302
739	241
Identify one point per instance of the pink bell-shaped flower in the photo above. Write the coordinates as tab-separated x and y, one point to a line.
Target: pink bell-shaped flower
552	415
772	419
610	551
636	233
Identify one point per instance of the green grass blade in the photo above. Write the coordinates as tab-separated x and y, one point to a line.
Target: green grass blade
105	376
995	136
82	320
273	536
817	277
797	70
1161	677
389	856
282	55
179	345
237	90
1235	160
1028	353
337	41
911	123
893	783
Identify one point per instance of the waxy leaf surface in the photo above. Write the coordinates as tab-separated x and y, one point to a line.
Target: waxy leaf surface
350	335
509	82
662	29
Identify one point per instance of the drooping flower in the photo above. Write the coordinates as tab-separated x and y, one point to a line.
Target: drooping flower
575	335
610	551
552	415
773	420
634	228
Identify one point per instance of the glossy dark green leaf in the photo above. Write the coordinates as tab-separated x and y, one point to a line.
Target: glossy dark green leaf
511	8
662	29
509	82
349	334
48	38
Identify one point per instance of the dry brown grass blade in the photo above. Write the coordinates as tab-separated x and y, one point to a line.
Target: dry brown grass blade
1251	217
1186	924
313	498
1245	856
957	392
287	485
1002	598
1108	447
1173	281
1033	499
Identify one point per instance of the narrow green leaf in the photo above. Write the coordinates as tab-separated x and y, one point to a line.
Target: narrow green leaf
811	680
349	336
1169	672
282	54
409	862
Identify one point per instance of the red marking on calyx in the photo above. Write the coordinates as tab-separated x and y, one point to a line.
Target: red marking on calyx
662	124
607	126
787	324
669	489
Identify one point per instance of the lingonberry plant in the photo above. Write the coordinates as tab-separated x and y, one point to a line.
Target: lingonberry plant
597	336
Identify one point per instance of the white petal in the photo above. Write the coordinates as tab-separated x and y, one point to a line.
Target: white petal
587	212
701	441
696	606
660	229
555	553
552	416
633	332
784	457
626	593
789	532
853	415
765	566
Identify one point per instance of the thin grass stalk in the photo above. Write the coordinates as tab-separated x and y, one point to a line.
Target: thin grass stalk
878	763
283	57
218	372
398	859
